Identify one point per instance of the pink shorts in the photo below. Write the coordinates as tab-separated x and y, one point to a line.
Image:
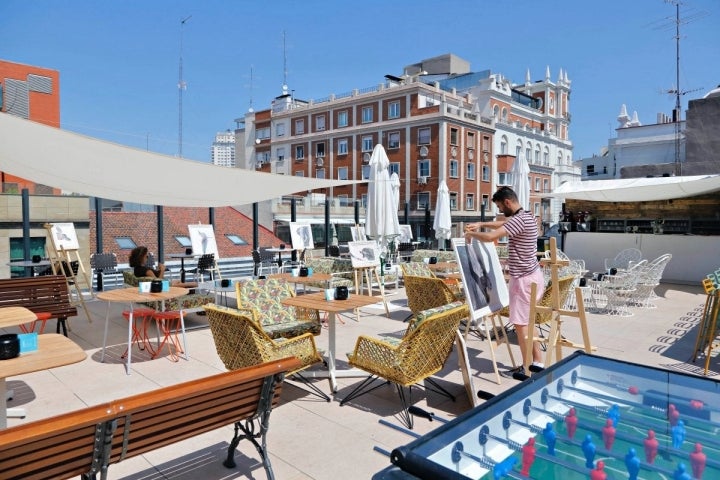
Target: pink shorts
519	291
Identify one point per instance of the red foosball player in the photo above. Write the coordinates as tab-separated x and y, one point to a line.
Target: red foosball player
697	461
651	446
528	456
608	434
673	415
598	473
571	421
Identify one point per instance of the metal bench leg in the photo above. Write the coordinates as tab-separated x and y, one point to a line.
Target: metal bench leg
61	323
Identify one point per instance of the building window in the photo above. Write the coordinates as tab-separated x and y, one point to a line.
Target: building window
486	144
262	157
320	173
453	136
235	239
546	185
496	111
518	149
299	173
424	136
503	145
424	168
320	150
342	173
528	152
320	123
471	171
125	243
366	172
504	114
537	154
183	240
470	201
299	126
394	167
453	169
262	133
536	209
394	140
280	129
485	201
503	178
344	200
367	114
300	152
367	144
423	200
485	173
537	184
546	157
453	201
393	110
471	140
342	147
343	118
280	154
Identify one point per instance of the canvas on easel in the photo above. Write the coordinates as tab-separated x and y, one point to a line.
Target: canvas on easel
358	233
301	236
202	239
406	235
62	251
365	259
485	290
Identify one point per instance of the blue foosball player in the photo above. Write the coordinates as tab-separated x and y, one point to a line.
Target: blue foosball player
678	434
632	463
501	469
550	438
588	448
680	473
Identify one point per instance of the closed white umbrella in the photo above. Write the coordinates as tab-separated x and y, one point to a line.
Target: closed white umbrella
443	218
381	220
521	181
395	182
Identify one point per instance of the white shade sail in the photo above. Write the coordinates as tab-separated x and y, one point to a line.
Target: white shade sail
88	166
637	189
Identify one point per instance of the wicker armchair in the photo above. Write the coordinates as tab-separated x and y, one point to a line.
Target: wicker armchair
428	292
241	342
265	298
421	353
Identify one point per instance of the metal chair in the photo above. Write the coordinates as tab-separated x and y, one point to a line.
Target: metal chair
103	263
205	265
263	265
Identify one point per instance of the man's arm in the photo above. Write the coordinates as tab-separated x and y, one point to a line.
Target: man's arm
490	236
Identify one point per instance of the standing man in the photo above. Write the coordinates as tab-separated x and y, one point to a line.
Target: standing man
520	227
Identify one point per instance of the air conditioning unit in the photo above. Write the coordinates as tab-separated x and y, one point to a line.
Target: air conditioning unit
319	162
366	158
422	180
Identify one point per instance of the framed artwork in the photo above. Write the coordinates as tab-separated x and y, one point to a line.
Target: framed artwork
64	237
406	235
301	236
482	276
358	233
364	254
202	238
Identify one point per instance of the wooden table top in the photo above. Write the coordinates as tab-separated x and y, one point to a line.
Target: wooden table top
317	301
443	266
13	316
315	277
54	350
131	294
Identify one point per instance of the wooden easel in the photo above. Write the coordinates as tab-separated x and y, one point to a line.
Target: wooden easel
494	323
75	282
364	275
555	340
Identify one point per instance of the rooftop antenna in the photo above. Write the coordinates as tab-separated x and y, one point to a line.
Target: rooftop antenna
677	110
285	85
251	90
181	87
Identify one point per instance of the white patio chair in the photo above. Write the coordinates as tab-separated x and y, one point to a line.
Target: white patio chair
648	279
622	260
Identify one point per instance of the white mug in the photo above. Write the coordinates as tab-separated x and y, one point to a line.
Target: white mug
426	260
295	272
144	287
329	294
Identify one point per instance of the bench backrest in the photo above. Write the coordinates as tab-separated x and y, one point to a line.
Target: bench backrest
45	293
84	441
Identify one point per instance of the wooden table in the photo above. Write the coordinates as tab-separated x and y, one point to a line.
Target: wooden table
130	296
317	301
314	278
54	350
29	264
279	251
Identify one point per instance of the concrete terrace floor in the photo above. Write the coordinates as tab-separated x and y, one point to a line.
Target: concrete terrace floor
312	439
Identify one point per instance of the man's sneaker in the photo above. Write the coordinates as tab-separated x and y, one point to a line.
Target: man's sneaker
518	373
536	367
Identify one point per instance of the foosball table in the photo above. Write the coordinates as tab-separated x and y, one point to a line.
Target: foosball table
586	417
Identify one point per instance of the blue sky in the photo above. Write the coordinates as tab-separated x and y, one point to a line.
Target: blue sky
118	60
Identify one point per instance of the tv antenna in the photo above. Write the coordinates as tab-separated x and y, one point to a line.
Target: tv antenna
181	87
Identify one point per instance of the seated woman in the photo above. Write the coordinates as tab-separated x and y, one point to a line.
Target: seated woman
138	261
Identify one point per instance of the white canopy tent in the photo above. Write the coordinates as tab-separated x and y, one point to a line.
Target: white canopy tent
637	189
88	166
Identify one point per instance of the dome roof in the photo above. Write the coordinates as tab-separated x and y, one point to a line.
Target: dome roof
715	93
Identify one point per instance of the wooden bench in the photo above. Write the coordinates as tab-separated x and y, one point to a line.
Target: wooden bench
86	442
41	294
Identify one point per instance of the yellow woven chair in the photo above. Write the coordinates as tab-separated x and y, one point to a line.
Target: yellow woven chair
421	352
241	342
427	292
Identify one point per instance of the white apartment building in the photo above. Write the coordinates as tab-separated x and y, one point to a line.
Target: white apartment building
222	152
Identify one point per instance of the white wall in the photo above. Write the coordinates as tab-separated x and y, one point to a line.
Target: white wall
693	256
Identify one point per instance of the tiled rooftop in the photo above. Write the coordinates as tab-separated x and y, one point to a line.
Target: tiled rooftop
309	438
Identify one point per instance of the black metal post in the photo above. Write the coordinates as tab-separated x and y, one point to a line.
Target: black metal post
98	238
357	212
26	228
482	212
293	218
211	216
160	234
327	227
427	226
256	232
407	213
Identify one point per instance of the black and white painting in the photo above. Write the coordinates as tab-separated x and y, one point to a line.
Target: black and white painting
301	236
358	233
202	239
406	235
364	254
482	276
64	237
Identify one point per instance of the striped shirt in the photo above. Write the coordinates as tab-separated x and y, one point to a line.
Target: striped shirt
522	248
